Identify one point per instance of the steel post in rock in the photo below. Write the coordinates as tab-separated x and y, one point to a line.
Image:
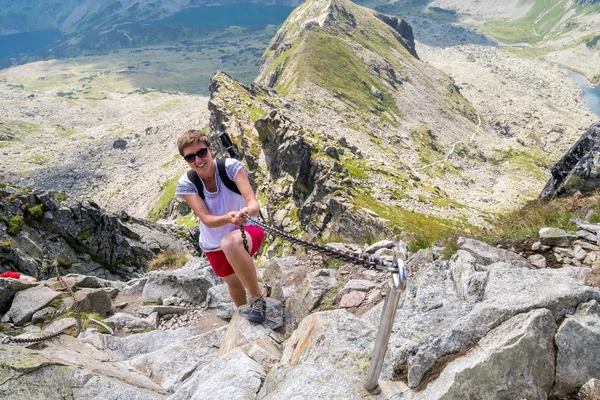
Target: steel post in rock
396	286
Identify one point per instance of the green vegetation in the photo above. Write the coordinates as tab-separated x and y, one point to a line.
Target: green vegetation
65	131
61	196
166	106
546	19
167	260
419	230
37	159
36	212
187	221
532	161
6	246
543	213
334	264
357	168
11	129
430	151
168	193
83	236
15	224
64	263
329	62
593	42
168	163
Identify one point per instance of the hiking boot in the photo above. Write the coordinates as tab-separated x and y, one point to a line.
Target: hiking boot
258	309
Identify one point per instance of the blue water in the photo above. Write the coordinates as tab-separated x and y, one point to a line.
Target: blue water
228	15
591	93
27	43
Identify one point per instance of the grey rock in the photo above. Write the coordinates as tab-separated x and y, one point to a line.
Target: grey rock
590	391
513	361
538	260
135	286
43	314
556	237
91	300
126	321
577	170
420	259
355	285
190	283
276	271
134	345
92	282
474	299
171	365
243	376
577	342
308	296
218	298
264	351
61	324
324	358
8	288
486	254
240	332
28	301
161	310
352	299
275	313
383	244
101	388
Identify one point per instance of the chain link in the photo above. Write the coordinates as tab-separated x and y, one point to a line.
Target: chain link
244	238
10	339
368	261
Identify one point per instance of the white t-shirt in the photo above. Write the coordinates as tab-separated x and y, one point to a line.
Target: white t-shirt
218	203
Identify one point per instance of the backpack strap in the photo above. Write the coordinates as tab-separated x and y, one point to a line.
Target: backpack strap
229	184
195	179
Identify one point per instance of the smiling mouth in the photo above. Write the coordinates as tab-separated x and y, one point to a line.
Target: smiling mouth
201	165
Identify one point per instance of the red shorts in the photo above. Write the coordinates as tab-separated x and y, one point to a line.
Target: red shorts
219	262
10	274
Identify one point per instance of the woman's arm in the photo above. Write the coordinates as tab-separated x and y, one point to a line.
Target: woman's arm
243	184
211	221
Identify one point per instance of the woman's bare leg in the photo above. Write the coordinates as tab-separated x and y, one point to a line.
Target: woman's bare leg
237	291
241	262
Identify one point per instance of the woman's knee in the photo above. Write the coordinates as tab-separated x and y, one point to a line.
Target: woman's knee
230	241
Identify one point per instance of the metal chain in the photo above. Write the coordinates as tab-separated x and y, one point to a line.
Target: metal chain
10	339
244	239
368	261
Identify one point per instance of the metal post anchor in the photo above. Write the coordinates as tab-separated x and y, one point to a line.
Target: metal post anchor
396	286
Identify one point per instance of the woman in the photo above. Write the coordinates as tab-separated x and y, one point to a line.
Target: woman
220	211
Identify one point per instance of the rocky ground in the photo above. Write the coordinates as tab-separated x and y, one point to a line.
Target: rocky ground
459	323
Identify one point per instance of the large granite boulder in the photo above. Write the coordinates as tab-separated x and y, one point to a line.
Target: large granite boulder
308	296
579	168
190	283
8	288
578	347
233	376
326	357
450	305
27	302
513	361
171	365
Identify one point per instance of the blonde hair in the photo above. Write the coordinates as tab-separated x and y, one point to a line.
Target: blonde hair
191	137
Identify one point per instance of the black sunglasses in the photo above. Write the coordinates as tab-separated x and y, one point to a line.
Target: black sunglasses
200	153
